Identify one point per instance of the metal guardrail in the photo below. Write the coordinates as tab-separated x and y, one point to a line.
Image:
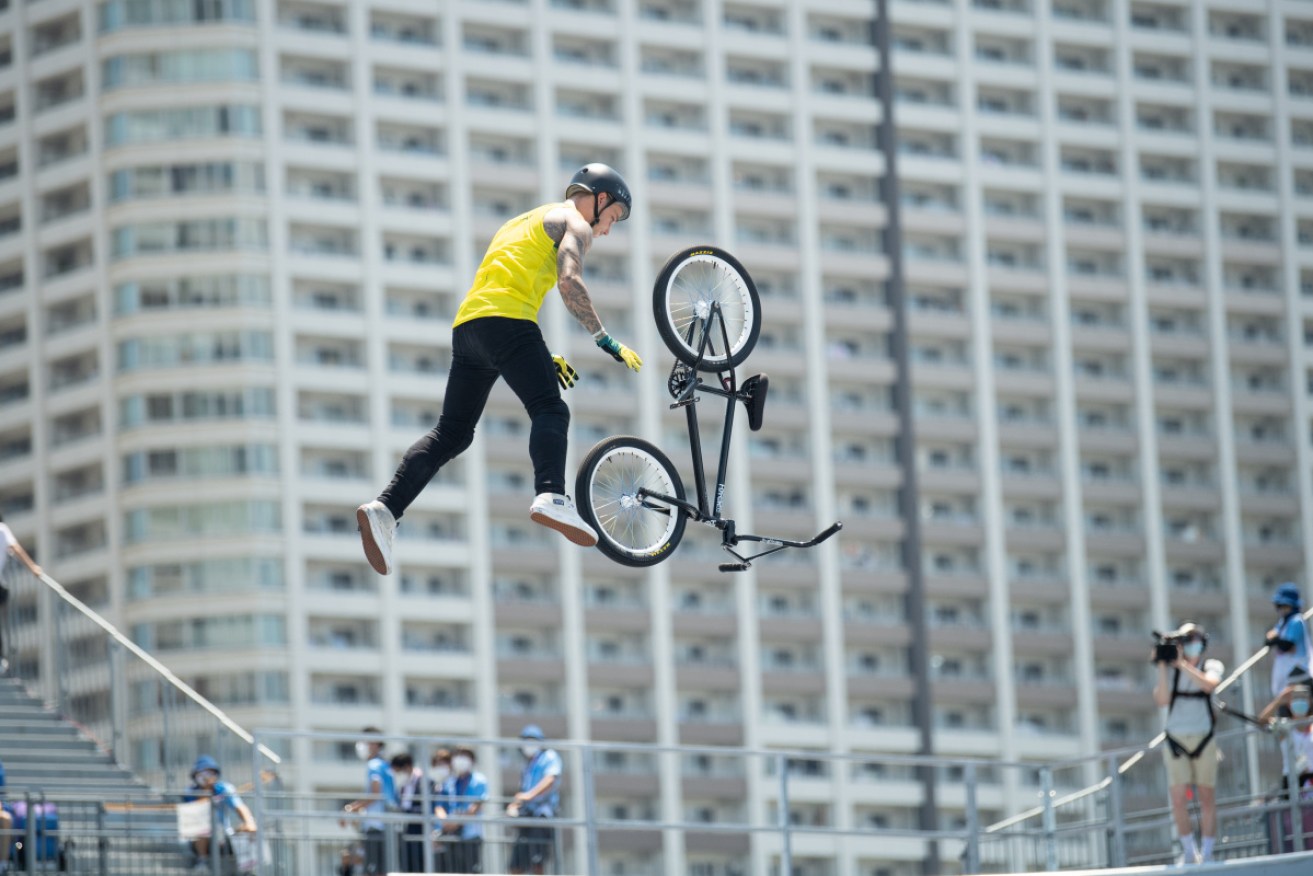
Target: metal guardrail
136	709
1128	773
1125	824
155	725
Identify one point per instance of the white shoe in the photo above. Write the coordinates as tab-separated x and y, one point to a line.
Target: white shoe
558	512
377	530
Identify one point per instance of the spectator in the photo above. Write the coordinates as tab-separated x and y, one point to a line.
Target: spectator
410	798
464	794
380	796
1288	638
206	783
1294	700
1190	752
539	797
9	545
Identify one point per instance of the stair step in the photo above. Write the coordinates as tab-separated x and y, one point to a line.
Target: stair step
33	716
29	713
34	751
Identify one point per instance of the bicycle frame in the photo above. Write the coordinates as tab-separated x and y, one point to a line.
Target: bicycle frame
709	512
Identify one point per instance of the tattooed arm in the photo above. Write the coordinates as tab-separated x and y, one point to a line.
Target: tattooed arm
573	238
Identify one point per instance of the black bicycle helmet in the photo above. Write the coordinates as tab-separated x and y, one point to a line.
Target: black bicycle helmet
598	178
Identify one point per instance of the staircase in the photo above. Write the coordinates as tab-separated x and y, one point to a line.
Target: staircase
48	757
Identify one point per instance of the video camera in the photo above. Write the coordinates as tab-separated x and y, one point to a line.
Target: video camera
1167	647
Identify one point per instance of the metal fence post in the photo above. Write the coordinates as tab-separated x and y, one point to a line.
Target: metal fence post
102	842
216	839
1292	794
972	862
1115	814
426	801
117	702
590	813
60	660
166	741
29	835
786	849
260	809
391	841
1050	819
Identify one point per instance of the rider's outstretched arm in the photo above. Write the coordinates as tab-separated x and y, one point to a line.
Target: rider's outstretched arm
576	236
575	239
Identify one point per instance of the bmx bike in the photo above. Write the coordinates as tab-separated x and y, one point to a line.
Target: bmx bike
709	315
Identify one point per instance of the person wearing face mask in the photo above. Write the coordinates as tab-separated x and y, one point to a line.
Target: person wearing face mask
408	780
463	795
1288	639
1185	687
539	797
1289	713
234	815
380	796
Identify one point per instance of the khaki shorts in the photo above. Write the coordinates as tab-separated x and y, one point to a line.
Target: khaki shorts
1201	771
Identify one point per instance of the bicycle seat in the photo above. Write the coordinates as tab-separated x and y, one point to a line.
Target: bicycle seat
754	391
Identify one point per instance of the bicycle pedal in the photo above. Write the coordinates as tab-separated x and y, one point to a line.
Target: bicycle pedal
688	401
734	567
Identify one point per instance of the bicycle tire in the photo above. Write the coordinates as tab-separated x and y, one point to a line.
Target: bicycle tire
629	531
687	285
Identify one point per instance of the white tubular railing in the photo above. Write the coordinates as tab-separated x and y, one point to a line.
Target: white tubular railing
123	697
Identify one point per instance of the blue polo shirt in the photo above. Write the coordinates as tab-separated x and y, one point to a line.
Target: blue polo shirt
378	768
474	789
545	763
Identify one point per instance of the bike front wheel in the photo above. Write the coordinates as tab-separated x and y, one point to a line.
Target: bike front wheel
694	284
614	487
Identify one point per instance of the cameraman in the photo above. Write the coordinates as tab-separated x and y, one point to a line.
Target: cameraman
1190	752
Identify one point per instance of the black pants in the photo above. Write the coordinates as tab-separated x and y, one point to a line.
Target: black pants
481	351
533	848
411	857
375	852
463	856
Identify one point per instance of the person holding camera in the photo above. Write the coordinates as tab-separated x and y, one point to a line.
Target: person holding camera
1185	686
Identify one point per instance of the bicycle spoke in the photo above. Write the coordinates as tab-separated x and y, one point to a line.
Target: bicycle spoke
627	519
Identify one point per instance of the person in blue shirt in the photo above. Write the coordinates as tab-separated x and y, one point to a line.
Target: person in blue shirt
463	795
206	783
539	797
1288	638
380	796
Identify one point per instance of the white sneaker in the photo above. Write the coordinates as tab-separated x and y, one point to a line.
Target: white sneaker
558	512
377	530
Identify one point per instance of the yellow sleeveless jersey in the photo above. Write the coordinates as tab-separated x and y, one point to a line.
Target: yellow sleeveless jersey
517	271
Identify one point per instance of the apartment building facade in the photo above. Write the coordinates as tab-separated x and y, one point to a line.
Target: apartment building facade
233	234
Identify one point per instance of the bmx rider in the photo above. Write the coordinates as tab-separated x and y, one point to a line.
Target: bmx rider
495	334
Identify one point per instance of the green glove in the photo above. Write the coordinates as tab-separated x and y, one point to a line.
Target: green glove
565	373
620	352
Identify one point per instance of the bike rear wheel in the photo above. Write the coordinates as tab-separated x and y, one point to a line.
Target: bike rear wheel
687	287
631	529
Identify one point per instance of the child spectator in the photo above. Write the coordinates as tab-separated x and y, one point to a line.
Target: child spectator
206	783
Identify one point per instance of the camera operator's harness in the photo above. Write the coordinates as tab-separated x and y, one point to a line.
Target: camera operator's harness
1179	750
